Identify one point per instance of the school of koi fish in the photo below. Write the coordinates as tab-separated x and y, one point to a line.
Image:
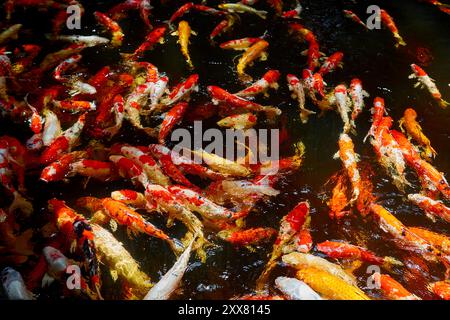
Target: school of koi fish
86	154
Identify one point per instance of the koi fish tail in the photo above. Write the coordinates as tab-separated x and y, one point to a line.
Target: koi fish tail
400	41
176	246
245	78
443	104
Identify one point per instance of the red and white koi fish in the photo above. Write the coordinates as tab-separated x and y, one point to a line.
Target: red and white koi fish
112	26
99	170
290	225
313	53
171	119
64	143
232	101
182	90
334	61
14	286
184	163
351	15
147	163
197	203
388	21
75	105
128	169
313	84
424	80
65	65
296	87
378	111
239	121
130	197
343	104
357	94
239	44
159	197
389	152
268	80
433	208
119	115
294	13
60	168
350	162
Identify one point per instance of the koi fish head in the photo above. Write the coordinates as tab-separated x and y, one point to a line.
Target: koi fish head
418	71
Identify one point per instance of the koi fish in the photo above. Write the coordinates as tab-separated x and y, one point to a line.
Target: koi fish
269	80
301	261
391	288
99	170
184	9
295	289
357	94
78	233
232	101
403	237
350	162
388	21
184	33
329	286
239	44
88	41
296	87
171	119
197	203
432	208
58	170
119	112
222	27
14	286
441	289
129	169
242	8
294	13
75	106
424	80
154	37
332	62
168	283
182	90
437	240
119	261
247	237
338	201
64	143
343	250
130	197
162	199
112	26
256	51
409	124
343	104
351	15
239	121
432	179
147	163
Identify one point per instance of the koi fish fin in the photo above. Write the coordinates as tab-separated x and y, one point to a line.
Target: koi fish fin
443	104
336	156
194	33
47	280
174	33
261	13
